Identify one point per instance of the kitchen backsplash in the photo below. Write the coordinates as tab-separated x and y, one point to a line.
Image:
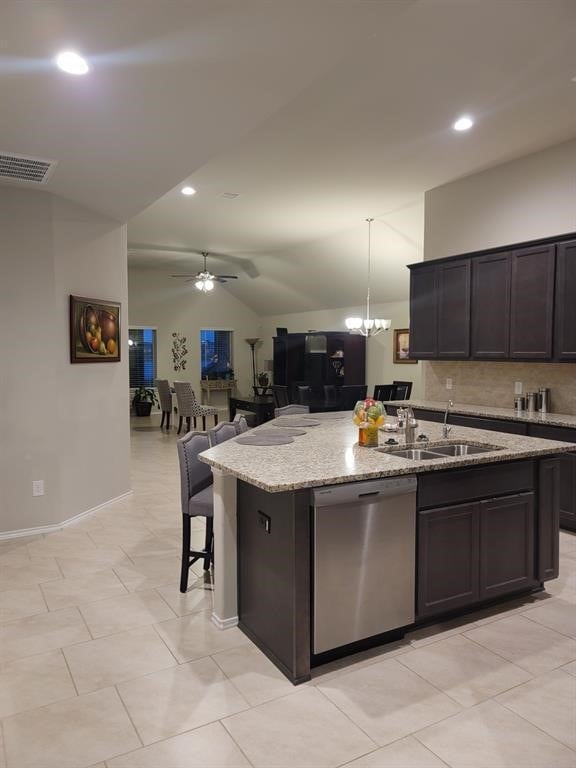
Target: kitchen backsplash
486	383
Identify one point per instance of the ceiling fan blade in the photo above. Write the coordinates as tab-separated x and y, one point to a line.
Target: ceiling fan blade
229	277
189	275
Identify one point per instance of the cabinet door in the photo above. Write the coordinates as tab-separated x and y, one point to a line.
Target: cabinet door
548	564
567	489
448	540
532	303
454	309
354	360
506	545
565	310
423	313
491	307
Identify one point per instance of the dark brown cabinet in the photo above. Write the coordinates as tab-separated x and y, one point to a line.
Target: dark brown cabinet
490	307
532	302
453	282
567	471
326	357
424	313
565	309
506	545
515	303
447	559
548	564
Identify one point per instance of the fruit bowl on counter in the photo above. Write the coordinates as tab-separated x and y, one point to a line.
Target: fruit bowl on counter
369	415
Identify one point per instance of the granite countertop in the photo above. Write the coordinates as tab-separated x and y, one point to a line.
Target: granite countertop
487	411
329	454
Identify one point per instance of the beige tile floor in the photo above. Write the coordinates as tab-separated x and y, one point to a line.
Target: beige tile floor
104	663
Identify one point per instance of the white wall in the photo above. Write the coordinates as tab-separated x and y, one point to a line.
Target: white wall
61	423
160	301
528	198
380	368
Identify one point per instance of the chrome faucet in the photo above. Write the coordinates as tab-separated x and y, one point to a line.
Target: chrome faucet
445	428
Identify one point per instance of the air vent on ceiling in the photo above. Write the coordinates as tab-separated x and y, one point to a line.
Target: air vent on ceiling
24	168
230	195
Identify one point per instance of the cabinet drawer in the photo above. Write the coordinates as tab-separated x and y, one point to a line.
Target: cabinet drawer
424	415
496	425
565	434
458	485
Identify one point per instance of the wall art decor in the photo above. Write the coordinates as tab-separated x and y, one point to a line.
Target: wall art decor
179	352
94	330
402	346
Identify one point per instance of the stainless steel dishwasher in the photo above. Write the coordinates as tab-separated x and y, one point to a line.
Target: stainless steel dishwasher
364	560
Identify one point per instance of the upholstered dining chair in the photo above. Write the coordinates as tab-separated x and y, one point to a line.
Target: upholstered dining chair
222	432
281	397
189	408
240	423
289	410
304	394
196	500
350	394
330	394
165	397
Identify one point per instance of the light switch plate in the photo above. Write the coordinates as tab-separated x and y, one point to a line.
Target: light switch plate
517	387
37	487
449	383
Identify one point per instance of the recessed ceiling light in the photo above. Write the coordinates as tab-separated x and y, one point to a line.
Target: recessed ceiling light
72	63
188	191
463	123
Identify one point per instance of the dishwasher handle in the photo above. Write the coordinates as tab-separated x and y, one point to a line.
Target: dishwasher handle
365	491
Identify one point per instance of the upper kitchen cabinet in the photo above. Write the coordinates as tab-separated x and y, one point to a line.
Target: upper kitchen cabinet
440	310
424	312
490	320
454	309
532	303
565	310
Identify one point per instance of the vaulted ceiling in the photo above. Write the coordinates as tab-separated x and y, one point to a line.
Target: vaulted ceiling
316	114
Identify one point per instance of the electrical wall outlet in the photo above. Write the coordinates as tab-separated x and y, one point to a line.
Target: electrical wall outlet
449	383
517	387
37	487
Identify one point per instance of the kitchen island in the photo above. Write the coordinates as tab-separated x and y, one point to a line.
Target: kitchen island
484	526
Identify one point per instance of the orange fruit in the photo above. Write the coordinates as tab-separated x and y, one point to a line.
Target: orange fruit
111	347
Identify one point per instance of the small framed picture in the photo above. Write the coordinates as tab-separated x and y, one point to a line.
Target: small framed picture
402	346
94	330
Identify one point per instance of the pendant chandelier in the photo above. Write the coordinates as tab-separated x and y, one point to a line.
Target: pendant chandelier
367	326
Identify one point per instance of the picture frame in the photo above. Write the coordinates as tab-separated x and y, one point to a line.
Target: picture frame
95	330
402	347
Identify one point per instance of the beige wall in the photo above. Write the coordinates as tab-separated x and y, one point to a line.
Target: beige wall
528	198
171	305
61	423
525	199
380	368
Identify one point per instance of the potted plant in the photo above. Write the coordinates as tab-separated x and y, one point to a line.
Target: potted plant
143	400
263	379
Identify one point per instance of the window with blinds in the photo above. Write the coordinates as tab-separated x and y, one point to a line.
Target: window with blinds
142	356
216	354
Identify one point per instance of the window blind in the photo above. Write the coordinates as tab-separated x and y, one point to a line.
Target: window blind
142	356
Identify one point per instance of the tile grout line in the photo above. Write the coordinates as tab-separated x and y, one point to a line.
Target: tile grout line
170	651
61	650
552	629
136	731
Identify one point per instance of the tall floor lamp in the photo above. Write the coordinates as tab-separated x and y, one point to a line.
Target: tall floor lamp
253	343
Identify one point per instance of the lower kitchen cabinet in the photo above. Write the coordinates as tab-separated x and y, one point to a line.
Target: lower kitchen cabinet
448	545
468	553
567	471
506	545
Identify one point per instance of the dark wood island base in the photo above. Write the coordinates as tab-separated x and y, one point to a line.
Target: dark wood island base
484	533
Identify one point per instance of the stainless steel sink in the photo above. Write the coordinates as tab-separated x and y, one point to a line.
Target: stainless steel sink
462	449
416	454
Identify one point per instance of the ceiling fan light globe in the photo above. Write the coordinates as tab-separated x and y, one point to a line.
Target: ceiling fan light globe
208	285
199	284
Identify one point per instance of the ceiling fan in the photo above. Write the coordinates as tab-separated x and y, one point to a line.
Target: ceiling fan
204	280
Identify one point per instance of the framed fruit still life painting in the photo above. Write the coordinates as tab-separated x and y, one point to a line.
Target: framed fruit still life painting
402	346
94	330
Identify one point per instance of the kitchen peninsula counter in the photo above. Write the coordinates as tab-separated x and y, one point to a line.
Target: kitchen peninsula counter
485	526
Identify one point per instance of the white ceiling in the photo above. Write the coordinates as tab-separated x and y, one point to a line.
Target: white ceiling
317	112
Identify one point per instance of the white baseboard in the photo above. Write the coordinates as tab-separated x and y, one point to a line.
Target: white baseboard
64	524
224	623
